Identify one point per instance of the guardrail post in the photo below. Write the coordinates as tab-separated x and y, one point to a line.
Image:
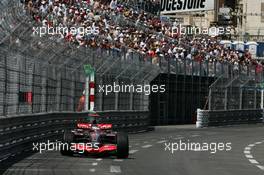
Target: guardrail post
261	102
240	98
225	107
141	100
74	91
255	99
33	87
131	100
263	117
210	99
47	90
100	96
5	87
116	97
60	92
19	65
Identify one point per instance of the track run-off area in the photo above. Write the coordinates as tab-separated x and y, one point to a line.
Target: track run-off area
241	152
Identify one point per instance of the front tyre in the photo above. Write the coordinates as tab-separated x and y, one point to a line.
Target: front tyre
122	145
68	138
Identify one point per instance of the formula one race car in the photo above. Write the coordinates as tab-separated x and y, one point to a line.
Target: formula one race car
95	138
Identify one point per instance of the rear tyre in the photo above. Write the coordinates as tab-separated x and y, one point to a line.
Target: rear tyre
68	138
122	145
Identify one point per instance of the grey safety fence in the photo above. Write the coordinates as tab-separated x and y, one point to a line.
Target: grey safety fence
51	69
209	68
206	118
240	92
58	86
18	133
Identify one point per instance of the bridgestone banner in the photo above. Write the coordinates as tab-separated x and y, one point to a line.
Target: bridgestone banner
174	6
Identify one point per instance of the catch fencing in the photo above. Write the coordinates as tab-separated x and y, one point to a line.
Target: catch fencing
241	92
31	86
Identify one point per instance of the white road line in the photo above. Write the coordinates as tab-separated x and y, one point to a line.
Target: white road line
118	160
260	167
133	151
99	159
253	161
115	169
249	156
92	170
145	142
248	148
146	146
162	141
246	152
196	135
94	164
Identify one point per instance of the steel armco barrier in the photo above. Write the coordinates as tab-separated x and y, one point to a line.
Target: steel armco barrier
206	118
18	133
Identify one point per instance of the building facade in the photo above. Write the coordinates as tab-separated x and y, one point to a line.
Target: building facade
246	17
251	15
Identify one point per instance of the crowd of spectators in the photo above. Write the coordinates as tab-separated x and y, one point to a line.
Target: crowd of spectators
114	25
151	6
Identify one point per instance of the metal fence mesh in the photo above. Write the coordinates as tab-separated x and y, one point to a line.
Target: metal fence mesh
59	88
240	92
52	70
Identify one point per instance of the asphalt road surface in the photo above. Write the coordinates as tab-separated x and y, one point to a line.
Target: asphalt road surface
151	153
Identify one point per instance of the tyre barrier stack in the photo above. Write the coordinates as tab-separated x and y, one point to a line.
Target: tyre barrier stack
18	133
206	118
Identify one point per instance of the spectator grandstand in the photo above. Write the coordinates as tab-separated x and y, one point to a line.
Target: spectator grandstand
116	25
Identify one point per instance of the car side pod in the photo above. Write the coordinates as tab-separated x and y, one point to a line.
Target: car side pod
122	150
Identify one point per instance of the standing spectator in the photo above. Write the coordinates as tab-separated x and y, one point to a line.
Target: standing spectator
113	4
